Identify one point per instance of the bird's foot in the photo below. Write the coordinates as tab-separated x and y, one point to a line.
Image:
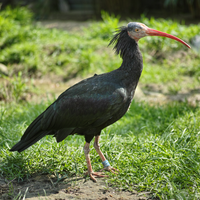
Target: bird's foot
93	174
110	169
107	167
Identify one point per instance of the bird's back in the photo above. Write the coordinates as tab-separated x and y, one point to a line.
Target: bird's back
90	103
85	108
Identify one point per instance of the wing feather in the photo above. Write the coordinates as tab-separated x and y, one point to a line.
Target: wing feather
84	105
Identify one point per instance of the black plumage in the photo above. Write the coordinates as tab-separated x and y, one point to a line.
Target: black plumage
94	103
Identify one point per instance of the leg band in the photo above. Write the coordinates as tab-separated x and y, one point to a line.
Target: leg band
106	163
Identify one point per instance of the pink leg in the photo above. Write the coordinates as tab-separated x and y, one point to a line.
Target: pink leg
89	166
97	148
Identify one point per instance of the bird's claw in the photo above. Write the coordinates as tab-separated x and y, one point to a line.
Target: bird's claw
110	169
97	174
100	174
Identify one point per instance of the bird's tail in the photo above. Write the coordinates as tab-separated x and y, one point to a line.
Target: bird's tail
32	134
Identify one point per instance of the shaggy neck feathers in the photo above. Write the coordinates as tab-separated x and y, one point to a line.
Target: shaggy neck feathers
124	45
129	51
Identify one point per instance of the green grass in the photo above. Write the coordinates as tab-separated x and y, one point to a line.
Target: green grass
35	49
155	148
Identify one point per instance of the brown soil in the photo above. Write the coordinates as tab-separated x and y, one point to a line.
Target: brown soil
43	187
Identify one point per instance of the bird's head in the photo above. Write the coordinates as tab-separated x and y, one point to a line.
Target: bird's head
138	30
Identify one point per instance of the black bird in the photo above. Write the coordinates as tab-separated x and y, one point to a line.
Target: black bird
97	102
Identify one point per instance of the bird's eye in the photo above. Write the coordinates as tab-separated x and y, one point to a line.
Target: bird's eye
137	29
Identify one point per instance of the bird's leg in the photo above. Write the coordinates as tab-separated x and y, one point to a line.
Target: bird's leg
90	172
105	162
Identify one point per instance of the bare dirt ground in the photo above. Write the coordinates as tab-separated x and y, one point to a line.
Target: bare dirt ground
45	187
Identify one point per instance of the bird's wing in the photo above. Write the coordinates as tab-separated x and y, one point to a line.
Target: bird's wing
89	103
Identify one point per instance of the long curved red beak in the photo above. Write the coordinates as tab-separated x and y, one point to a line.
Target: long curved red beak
153	32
